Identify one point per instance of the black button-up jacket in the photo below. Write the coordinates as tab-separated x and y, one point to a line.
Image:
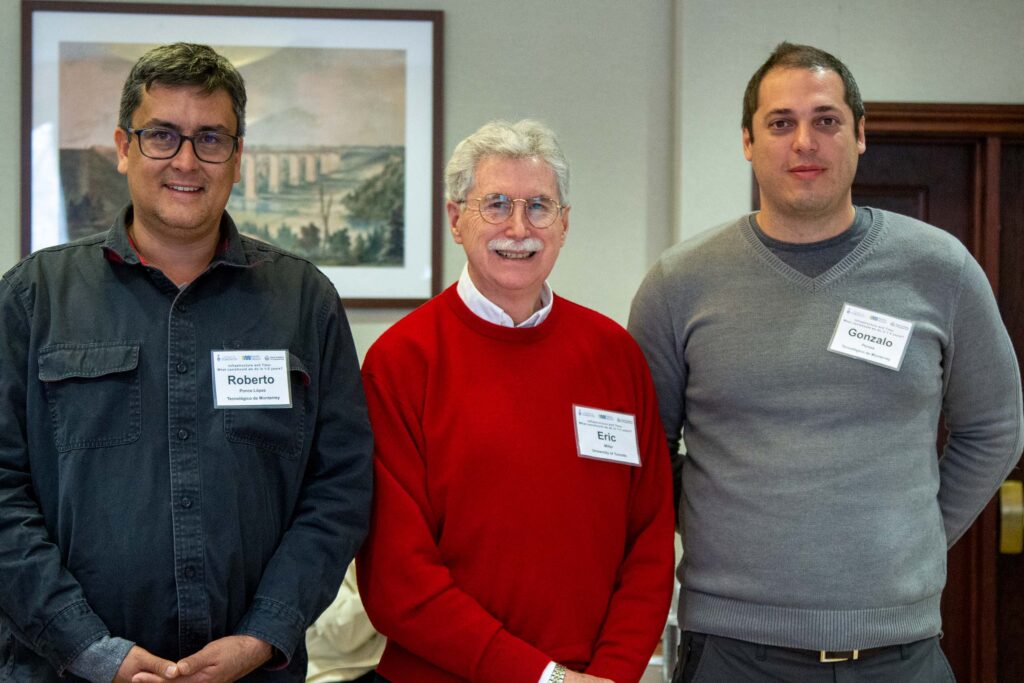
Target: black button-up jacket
129	504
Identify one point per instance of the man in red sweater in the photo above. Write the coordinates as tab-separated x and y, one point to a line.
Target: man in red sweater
522	526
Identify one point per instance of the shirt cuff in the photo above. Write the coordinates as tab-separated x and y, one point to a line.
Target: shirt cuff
100	661
276	624
545	675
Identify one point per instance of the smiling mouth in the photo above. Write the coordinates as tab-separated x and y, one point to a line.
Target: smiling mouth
184	188
516	250
514	255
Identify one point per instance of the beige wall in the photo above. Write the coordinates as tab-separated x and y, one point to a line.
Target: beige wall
597	71
646	98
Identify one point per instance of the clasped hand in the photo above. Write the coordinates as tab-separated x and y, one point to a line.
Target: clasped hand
221	661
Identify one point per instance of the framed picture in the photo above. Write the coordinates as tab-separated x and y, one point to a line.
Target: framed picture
342	156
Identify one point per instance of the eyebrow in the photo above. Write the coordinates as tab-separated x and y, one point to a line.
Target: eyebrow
542	195
160	123
822	109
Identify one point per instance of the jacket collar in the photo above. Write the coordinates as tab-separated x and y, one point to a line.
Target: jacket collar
231	250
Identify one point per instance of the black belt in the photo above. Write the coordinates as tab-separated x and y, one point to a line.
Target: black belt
833	656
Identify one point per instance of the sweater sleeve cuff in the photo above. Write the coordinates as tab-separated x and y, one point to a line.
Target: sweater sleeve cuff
274	623
508	659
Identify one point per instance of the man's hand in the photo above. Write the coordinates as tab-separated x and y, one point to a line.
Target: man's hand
577	677
222	661
138	661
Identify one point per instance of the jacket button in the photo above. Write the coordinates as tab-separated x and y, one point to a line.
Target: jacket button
186	502
183	434
181	367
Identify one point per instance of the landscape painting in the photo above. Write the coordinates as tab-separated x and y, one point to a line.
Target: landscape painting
325	165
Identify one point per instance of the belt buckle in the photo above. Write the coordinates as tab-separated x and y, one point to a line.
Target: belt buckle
829	657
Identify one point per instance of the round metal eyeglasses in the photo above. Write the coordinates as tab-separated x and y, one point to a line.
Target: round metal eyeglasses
541	212
210	146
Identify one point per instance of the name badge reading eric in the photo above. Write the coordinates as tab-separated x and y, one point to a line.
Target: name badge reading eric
605	435
873	337
251	379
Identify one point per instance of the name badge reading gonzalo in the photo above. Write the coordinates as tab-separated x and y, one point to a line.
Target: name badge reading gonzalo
251	379
605	435
872	337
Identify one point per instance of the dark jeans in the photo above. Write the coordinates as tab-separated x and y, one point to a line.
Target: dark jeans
706	658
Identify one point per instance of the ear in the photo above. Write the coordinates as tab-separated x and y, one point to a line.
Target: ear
862	143
747	142
121	142
237	160
564	219
453	220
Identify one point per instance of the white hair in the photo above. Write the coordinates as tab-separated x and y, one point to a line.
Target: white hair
522	139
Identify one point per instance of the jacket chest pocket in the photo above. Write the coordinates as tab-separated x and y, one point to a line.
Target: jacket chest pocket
281	431
93	392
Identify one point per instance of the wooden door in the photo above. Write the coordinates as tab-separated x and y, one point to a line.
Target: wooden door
1010	568
961	168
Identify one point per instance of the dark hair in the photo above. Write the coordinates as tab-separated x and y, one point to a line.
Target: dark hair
793	56
183	64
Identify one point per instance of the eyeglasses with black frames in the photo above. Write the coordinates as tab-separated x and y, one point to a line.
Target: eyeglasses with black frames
210	146
494	208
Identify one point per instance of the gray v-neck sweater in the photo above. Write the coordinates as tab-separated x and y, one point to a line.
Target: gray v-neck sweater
814	511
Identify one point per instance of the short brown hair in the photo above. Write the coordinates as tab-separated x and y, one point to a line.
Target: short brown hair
794	56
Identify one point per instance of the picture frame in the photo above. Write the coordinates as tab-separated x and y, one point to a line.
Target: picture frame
341	161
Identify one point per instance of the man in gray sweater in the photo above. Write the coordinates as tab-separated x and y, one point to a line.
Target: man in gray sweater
806	352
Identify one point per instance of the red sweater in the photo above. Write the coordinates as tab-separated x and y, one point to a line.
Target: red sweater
494	548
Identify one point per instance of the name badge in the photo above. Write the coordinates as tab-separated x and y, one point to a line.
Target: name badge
872	337
605	435
251	379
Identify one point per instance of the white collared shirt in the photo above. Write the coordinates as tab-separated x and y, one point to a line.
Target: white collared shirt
486	309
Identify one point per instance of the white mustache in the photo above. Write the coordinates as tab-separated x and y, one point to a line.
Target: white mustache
506	244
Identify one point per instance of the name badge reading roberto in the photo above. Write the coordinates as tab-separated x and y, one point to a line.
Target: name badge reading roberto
872	337
605	435
251	379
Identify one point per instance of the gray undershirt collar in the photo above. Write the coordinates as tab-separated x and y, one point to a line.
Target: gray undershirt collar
814	258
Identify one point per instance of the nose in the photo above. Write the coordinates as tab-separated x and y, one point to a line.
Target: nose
186	158
518	226
803	138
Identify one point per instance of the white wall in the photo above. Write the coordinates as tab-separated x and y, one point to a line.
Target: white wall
597	71
910	50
